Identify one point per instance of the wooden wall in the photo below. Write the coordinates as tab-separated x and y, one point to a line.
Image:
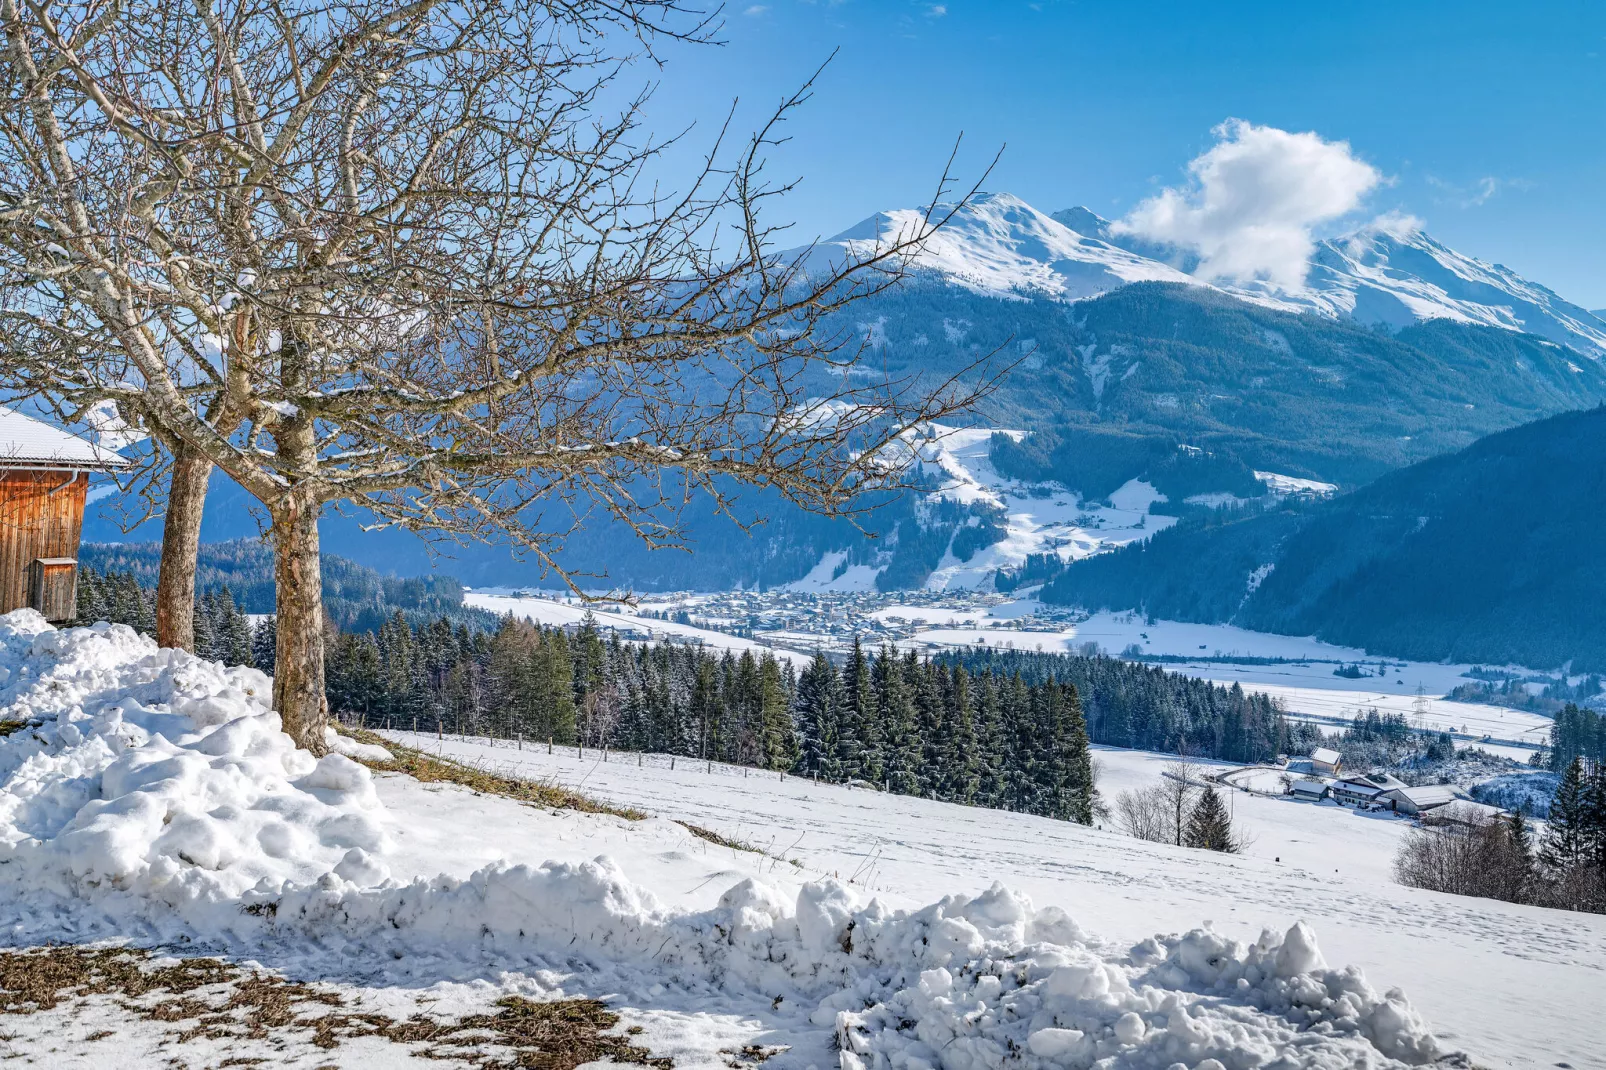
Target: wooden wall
41	515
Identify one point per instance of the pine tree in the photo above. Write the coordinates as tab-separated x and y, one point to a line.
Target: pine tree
898	719
265	643
779	745
960	758
861	741
817	711
1595	820
1208	825
1567	840
991	756
1080	794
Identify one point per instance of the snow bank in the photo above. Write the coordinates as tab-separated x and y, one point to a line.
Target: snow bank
153	794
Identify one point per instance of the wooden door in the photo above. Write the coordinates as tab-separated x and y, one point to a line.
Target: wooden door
53	587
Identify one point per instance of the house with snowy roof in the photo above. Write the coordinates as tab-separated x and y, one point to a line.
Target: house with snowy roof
1363	790
44	481
1325	761
1419	800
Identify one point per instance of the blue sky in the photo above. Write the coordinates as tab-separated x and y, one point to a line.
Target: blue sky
1486	120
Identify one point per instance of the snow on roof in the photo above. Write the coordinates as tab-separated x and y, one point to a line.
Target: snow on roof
27	442
1427	795
1308	787
1357	786
1325	755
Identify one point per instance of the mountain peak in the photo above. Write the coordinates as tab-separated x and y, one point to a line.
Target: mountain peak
997	244
1389	272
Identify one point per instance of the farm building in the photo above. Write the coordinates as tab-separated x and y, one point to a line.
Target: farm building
1308	789
1325	761
1361	790
44	479
1418	800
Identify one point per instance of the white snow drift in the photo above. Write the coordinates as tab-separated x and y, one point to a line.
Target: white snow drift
151	794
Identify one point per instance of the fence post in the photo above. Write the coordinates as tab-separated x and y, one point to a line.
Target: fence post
639	759
415	726
549	744
521	741
671	763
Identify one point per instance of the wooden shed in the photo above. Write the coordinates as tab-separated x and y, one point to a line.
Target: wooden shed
44	480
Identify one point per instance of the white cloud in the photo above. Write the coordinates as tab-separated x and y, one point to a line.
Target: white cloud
936	11
756	9
1253	201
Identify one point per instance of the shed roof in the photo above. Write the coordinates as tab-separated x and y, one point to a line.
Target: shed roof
1325	755
1357	787
1308	787
29	443
1426	795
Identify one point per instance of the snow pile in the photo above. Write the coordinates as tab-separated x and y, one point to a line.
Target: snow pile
150	777
153	794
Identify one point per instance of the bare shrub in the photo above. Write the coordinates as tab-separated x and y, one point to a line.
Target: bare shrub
1466	852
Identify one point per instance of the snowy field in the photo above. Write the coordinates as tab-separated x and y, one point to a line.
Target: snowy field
550	610
147	796
1516	986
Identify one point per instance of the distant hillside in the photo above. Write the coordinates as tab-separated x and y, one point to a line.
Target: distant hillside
1491	554
1111	388
356	597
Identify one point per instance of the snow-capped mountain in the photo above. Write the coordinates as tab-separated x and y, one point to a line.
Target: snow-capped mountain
1001	246
1390	272
1399	275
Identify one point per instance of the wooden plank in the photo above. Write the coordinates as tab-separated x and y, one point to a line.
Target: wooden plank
41	516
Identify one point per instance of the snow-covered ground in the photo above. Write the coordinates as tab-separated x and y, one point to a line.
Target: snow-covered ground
1038	518
551	609
1516	986
149	796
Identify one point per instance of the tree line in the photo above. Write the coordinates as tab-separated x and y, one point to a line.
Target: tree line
1497	857
1147	708
896	721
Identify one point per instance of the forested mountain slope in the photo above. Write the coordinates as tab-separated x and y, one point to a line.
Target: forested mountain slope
1491	554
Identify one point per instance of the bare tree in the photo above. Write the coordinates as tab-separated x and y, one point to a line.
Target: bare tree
397	253
1179	787
1467	852
1145	814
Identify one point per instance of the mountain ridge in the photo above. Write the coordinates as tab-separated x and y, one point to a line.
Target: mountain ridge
1489	554
1389	272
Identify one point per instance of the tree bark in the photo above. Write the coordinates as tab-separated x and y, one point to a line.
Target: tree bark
298	685
181	541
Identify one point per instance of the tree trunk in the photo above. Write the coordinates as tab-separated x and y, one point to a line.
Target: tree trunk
298	692
181	541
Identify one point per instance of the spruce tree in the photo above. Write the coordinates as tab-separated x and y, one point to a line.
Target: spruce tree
1567	840
859	742
1208	825
265	643
817	711
1080	792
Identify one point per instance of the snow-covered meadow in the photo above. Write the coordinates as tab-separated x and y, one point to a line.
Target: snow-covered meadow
148	796
1513	985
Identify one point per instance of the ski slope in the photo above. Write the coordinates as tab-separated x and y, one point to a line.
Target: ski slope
1515	986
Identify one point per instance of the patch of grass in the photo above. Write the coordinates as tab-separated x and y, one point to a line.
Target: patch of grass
716	839
207	998
431	768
